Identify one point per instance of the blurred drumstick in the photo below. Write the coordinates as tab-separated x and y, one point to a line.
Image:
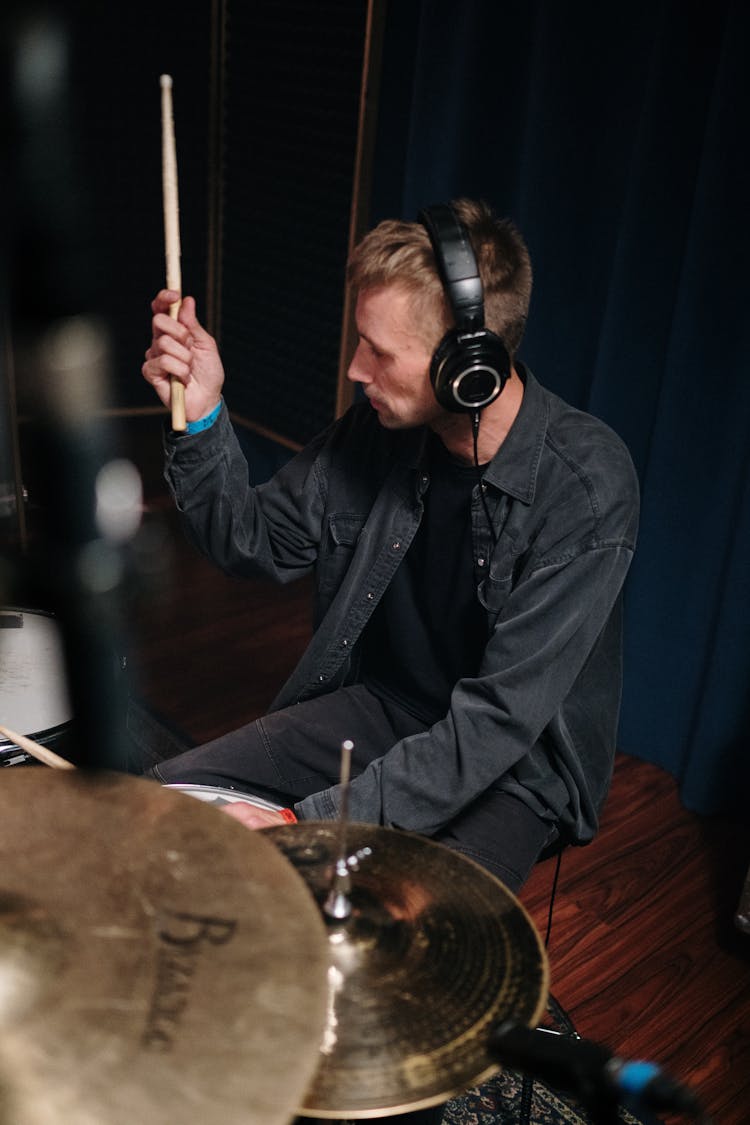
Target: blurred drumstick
171	229
41	753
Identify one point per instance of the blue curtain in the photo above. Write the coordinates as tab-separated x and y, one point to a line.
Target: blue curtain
616	135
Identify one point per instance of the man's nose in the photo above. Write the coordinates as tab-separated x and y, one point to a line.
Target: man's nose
357	369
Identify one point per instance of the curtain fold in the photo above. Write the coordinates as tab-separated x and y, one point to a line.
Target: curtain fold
615	136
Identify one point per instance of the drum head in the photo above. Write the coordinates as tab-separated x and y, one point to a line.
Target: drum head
34	696
217	796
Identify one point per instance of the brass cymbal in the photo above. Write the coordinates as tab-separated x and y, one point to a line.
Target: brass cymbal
159	963
435	952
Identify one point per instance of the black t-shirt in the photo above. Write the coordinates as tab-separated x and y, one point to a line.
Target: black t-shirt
429	629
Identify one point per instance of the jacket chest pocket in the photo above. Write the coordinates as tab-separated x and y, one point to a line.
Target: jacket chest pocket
504	574
340	541
494	594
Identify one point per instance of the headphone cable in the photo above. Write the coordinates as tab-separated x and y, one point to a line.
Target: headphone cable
475	416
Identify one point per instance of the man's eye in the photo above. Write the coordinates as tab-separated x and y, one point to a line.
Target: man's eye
375	352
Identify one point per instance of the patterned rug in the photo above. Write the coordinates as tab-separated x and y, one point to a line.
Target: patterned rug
510	1098
500	1101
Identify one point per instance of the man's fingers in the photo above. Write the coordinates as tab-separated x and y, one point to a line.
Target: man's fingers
163	367
163	299
253	816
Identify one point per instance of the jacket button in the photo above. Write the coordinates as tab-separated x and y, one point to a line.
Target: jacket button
481	562
395	546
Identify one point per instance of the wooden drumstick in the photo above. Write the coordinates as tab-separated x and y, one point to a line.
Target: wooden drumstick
41	753
171	230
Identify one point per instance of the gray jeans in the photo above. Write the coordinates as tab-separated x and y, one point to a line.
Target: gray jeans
289	754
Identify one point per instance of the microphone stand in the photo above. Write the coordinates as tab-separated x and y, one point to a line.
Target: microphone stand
591	1072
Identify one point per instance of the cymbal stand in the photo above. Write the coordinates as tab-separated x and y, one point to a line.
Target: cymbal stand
337	905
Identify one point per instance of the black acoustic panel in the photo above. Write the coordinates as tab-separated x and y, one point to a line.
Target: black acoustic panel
118	55
291	100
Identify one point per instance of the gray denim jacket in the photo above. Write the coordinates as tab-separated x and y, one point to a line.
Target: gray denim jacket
540	718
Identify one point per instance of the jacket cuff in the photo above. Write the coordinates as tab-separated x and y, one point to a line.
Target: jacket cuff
318	806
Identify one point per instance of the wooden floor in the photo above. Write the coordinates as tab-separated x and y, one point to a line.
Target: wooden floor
643	954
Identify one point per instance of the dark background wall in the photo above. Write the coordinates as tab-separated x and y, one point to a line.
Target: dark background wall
83	212
613	134
291	111
266	101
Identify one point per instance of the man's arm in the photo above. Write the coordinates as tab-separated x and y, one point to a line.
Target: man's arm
273	529
540	644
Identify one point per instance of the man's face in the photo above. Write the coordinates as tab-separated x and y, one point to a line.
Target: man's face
392	362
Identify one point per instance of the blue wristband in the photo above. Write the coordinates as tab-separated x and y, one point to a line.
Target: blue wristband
203	423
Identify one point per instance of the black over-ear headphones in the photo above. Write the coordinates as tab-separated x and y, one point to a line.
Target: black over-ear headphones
471	365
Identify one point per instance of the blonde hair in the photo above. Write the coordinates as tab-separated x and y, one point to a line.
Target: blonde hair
400	254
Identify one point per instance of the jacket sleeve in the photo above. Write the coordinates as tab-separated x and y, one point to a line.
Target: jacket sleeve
540	644
273	529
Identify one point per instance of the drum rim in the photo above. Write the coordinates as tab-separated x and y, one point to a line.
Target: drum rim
27	609
221	791
51	734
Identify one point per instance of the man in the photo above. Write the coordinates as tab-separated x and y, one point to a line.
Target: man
469	555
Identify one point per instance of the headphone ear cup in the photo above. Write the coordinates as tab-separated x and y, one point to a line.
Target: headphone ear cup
468	372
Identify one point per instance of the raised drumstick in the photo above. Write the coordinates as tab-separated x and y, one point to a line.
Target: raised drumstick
171	229
41	753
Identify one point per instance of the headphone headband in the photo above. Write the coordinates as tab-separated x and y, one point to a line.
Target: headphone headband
471	364
457	265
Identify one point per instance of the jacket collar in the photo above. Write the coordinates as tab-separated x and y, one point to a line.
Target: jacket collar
515	466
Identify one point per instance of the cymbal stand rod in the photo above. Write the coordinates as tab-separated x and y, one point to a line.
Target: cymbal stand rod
338	905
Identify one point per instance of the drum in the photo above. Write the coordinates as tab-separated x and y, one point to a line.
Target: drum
215	795
33	684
